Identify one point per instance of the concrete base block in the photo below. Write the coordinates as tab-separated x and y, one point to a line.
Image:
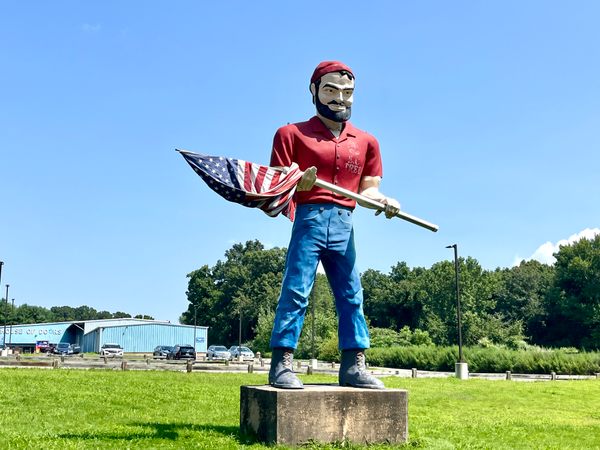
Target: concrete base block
324	413
461	370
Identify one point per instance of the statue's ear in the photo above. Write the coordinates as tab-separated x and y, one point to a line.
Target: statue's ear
313	91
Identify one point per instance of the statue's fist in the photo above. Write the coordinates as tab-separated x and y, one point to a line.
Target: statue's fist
307	181
392	207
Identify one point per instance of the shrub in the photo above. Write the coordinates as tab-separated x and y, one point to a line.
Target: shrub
492	359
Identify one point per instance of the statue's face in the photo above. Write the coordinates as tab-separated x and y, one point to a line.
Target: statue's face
335	96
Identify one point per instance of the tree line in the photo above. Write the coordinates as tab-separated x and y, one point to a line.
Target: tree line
529	304
38	314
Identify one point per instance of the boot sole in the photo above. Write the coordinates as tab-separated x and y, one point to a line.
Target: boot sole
284	386
363	386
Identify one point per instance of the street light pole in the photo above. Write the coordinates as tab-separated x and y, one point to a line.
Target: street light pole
12	320
195	313
240	331
5	315
461	367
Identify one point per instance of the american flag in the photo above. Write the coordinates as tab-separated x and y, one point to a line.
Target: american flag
248	184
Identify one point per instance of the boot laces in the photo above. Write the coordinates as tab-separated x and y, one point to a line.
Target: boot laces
288	360
361	362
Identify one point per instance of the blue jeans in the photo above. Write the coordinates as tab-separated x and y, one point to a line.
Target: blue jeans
321	232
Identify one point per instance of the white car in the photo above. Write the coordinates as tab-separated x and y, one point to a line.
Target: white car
218	352
111	350
244	352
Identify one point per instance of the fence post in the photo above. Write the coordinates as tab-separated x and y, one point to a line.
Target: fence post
508	375
124	365
250	368
414	372
553	376
189	366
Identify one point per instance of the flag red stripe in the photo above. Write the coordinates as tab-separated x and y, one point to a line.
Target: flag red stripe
247	176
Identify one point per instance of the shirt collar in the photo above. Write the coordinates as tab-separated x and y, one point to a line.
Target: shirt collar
319	127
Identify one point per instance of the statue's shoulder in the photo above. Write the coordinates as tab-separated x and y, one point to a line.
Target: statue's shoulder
361	133
305	128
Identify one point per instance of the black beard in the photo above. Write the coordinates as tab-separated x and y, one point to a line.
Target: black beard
336	116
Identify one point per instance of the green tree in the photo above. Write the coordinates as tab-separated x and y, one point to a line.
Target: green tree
32	314
521	295
394	300
244	284
479	316
573	303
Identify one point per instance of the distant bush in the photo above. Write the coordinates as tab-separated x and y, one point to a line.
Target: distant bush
385	337
490	359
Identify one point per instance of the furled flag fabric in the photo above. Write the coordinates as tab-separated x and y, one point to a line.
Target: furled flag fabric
248	184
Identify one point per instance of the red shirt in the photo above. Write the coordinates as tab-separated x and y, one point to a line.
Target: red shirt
342	161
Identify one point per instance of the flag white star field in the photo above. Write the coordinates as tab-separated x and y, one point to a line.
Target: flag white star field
248	184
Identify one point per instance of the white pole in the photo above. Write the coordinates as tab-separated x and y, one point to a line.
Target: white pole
375	204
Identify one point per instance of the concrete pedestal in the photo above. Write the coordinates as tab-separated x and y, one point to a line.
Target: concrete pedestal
324	413
461	370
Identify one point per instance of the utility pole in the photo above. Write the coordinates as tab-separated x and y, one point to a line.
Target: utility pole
461	368
195	312
5	317
12	320
240	332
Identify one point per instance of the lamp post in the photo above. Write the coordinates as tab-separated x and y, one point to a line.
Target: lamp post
461	368
12	320
1	264
195	313
240	331
5	315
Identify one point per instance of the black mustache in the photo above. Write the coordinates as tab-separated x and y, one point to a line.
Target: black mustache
333	102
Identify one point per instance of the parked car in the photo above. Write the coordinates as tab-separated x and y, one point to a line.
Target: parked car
63	348
76	348
245	352
218	352
182	352
111	350
162	351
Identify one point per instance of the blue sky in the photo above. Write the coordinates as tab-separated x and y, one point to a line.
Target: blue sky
487	114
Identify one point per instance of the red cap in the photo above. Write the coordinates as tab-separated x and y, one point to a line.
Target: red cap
328	67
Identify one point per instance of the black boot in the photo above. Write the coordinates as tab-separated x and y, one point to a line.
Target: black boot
353	371
281	374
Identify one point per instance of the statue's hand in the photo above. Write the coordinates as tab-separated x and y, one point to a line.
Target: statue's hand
307	181
392	207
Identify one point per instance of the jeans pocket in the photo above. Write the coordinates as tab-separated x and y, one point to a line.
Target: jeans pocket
346	217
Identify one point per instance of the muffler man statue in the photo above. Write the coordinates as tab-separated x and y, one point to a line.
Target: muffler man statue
330	147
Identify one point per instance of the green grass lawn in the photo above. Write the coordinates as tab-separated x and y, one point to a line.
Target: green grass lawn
67	409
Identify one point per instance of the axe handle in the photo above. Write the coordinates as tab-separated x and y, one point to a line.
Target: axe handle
375	204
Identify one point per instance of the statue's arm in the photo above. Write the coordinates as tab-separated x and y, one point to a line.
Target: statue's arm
369	187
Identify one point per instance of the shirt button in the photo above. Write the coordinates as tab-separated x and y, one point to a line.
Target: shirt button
340	212
321	209
338	156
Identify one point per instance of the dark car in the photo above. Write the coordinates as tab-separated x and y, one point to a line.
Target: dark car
182	352
76	348
162	351
64	348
